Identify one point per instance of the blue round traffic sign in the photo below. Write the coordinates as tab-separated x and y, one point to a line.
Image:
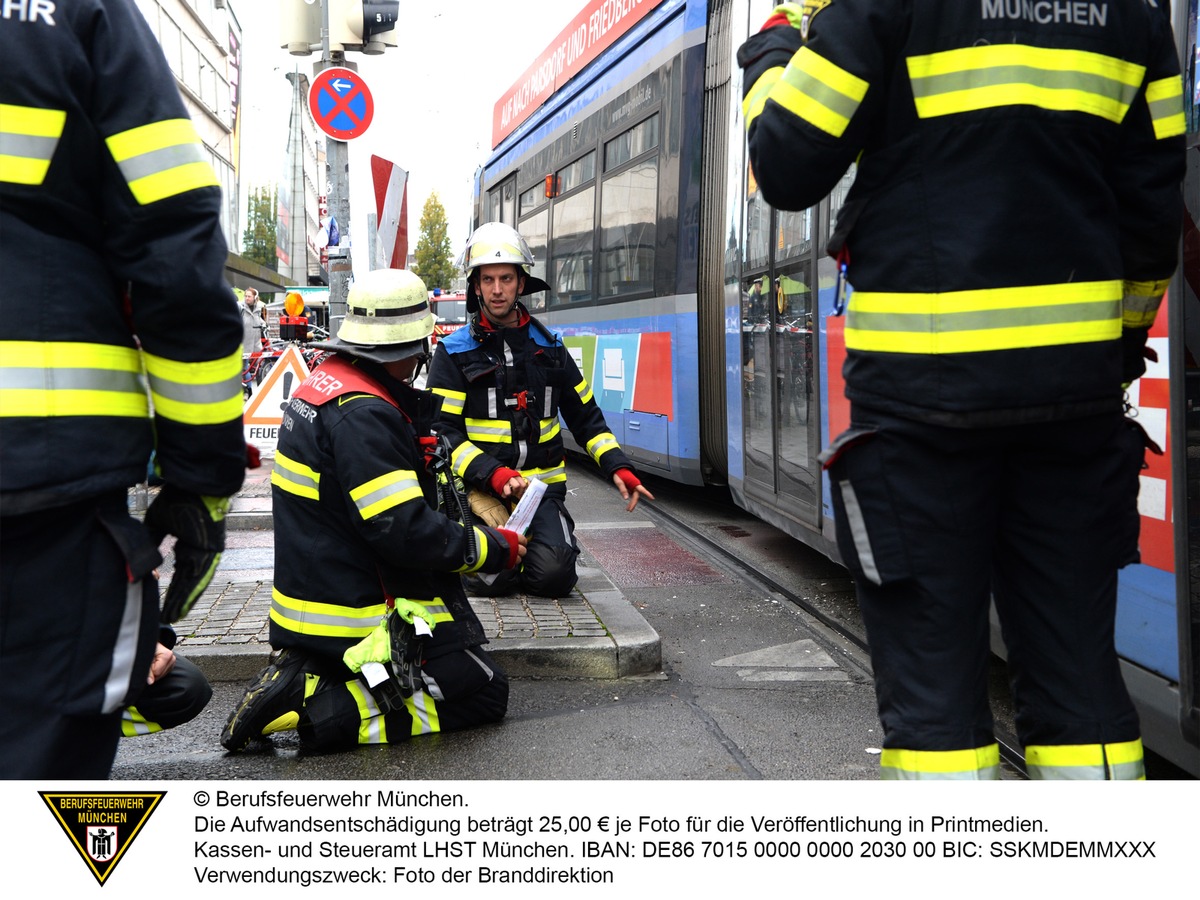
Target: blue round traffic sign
341	103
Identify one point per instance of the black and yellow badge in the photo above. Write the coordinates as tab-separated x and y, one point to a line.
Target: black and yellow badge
811	8
101	825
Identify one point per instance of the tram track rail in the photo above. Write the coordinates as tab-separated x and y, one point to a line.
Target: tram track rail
680	528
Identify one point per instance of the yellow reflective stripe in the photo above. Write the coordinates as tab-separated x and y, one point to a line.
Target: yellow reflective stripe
819	92
756	97
976	764
973	321
1141	301
1165	98
584	391
386	491
295	477
985	77
550	428
372	724
461	457
133	723
453	402
1086	762
325	619
601	444
196	393
28	139
44	380
481	543
489	431
423	710
436	608
550	474
161	160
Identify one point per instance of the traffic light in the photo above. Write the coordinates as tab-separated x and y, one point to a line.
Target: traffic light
366	25
300	26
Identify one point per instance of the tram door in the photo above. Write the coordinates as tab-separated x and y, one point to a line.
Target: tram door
780	418
1184	307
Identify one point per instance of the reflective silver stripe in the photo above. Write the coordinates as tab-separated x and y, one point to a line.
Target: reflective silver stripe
461	457
383	493
156	161
548	405
120	672
13	378
858	531
424	713
493	407
195	394
550	427
479	662
988	773
27	145
489	430
1130	771
295	478
133	723
432	687
370	727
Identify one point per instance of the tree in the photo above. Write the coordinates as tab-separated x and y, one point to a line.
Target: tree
259	239
433	261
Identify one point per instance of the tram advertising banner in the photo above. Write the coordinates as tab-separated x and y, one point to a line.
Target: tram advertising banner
596	28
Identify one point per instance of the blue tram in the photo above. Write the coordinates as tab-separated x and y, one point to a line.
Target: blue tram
703	317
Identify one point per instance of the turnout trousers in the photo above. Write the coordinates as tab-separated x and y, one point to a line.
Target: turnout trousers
935	523
461	688
78	625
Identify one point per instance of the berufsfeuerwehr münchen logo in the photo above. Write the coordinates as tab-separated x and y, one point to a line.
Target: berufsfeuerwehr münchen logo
101	824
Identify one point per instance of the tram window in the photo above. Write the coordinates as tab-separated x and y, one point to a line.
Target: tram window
628	211
493	206
577	173
794	234
532	199
533	230
634	142
508	203
571	265
758	231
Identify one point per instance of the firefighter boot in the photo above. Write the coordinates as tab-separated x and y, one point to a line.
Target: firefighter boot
273	703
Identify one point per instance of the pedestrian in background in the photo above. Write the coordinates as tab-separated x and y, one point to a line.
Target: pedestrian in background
114	260
1012	226
254	326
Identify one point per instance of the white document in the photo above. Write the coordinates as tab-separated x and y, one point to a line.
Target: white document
522	516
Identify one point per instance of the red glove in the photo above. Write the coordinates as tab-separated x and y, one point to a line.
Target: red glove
631	481
253	457
500	478
514	546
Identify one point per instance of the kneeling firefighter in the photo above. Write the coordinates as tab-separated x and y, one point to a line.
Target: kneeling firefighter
375	640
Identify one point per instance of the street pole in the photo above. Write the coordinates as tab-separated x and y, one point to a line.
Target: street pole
338	159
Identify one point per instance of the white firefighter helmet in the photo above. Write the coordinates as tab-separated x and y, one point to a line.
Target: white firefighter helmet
495	242
387	317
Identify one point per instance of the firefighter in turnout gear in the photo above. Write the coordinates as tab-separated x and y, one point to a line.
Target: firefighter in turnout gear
121	339
1009	235
375	640
504	381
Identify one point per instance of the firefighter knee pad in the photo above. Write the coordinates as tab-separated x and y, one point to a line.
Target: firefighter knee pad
549	571
459	674
869	532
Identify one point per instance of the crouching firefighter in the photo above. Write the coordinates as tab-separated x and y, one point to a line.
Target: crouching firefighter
374	639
